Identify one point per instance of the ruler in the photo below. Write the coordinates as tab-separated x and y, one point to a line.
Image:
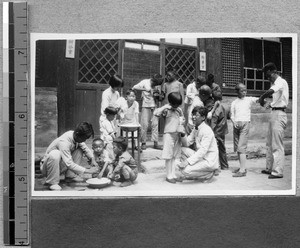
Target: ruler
15	117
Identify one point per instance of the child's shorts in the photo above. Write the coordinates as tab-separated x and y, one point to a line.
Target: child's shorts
240	136
172	146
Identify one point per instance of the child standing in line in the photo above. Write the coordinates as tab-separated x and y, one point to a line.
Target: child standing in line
240	117
171	141
125	167
102	158
218	123
108	129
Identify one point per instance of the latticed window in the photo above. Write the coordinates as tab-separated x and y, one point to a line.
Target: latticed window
184	61
231	61
98	59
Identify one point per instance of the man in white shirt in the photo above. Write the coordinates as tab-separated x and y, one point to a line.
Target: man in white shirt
203	163
149	90
278	120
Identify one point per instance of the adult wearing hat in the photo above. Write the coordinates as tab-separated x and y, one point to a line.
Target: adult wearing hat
280	96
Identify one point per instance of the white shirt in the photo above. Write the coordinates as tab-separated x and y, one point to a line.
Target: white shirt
191	92
241	108
281	93
109	98
147	94
206	145
66	145
127	114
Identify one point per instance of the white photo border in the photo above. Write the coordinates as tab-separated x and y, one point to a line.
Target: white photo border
34	37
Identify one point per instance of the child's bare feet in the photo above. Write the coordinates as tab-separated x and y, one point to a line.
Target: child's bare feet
126	183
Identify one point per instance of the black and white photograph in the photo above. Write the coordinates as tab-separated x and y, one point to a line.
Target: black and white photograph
163	115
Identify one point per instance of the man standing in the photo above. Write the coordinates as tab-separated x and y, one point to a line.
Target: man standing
277	123
150	93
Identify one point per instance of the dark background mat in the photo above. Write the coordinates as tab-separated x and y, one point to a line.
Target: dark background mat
185	222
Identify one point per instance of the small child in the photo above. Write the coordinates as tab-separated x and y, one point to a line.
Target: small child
240	117
125	167
173	127
128	108
102	158
108	129
218	123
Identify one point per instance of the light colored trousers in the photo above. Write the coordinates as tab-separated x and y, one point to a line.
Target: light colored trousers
275	149
146	117
200	170
52	165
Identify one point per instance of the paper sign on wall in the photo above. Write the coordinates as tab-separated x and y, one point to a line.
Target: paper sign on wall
70	49
202	61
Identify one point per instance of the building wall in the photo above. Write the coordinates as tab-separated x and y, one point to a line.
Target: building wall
46	121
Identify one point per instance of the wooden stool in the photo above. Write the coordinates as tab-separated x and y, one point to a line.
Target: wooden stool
132	129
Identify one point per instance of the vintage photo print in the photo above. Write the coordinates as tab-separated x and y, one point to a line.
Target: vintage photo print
163	115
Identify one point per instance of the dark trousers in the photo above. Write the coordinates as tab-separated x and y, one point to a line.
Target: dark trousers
222	152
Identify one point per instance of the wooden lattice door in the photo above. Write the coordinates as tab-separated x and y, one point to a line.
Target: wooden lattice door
97	61
183	60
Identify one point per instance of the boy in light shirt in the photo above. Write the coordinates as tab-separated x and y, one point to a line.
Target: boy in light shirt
240	117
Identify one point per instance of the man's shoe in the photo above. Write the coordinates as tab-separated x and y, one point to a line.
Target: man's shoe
54	187
268	172
178	179
236	170
172	180
274	176
240	174
143	147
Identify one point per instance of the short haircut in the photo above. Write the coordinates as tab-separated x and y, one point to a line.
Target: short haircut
121	142
157	79
205	90
175	98
201	80
201	110
98	139
110	110
217	95
238	86
84	129
129	91
269	67
116	81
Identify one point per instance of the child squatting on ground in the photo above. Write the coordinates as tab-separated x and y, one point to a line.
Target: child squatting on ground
124	166
64	156
240	117
171	140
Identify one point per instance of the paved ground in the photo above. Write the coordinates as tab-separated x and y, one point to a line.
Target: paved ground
152	182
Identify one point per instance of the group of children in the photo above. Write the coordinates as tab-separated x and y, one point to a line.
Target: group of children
199	142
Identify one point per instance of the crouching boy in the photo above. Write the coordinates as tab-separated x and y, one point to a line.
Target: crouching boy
125	167
203	163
